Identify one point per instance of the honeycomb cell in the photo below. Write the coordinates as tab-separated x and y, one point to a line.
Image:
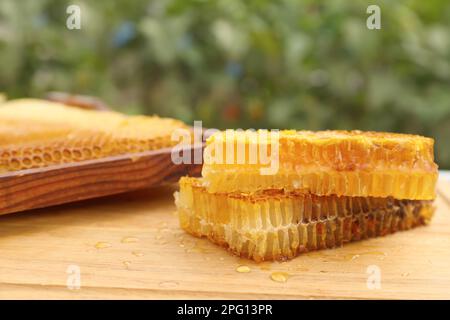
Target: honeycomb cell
77	155
67	153
57	155
47	157
87	153
37	160
15	164
26	162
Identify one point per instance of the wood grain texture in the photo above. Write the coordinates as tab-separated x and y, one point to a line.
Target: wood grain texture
43	187
36	248
444	190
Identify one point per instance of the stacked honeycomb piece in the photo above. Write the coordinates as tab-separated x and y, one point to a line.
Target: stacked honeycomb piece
329	188
38	133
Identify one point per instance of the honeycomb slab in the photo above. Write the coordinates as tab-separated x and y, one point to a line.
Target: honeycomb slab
279	225
38	133
347	163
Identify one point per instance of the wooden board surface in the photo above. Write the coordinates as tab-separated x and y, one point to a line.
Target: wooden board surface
130	246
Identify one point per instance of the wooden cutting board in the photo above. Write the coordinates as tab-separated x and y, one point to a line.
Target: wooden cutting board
130	246
69	182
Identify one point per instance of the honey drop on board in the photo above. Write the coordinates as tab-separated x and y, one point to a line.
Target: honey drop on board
243	269
102	245
279	276
137	253
130	240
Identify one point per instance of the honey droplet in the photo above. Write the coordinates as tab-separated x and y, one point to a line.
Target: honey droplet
138	253
127	264
102	245
243	269
405	274
130	240
279	276
351	257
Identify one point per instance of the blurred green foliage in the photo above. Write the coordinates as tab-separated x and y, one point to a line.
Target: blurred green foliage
255	63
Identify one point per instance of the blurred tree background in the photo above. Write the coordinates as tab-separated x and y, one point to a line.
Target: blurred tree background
241	64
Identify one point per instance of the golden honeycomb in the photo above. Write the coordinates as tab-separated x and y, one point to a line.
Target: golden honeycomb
348	163
279	224
37	133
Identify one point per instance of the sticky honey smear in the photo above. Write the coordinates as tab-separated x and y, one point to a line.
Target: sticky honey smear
348	163
37	133
279	225
102	245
